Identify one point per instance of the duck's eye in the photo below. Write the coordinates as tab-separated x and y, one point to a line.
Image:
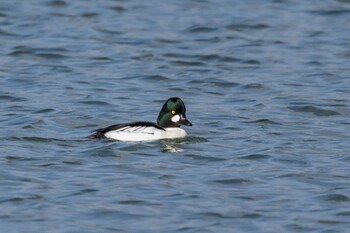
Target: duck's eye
173	112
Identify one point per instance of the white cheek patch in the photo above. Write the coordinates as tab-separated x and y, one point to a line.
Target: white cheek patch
175	118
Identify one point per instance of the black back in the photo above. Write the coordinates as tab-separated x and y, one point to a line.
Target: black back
100	133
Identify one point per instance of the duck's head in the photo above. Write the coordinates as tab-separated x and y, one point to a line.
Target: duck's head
173	114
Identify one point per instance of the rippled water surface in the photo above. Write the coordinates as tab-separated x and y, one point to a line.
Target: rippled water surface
266	86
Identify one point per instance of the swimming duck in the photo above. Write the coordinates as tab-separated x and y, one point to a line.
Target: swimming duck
170	118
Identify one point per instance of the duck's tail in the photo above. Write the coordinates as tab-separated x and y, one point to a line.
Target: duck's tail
97	134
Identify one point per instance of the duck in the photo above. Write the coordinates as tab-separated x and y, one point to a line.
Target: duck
170	118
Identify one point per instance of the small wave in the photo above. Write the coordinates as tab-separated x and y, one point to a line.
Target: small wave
156	78
251	62
255	157
44	110
106	59
233	181
57	3
22	199
335	198
215	82
37	139
89	14
118	8
51	56
242	26
132	202
43	53
264	121
94	102
331	12
12	98
215	57
253	86
205	158
187	63
200	29
215	215
314	110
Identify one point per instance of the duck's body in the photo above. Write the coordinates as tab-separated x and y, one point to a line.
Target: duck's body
139	131
168	125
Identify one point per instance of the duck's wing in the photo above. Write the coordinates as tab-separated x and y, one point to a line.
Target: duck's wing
134	127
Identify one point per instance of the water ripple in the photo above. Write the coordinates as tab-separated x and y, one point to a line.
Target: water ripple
255	157
314	110
335	198
233	181
242	27
268	95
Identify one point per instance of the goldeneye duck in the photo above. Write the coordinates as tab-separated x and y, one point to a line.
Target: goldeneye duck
170	118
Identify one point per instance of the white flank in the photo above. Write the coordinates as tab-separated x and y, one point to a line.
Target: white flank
142	133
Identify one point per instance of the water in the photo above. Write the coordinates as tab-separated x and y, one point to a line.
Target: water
266	86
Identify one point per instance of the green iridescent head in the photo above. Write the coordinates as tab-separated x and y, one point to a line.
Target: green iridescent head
173	114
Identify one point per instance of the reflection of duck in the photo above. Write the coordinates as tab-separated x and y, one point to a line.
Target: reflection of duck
171	116
172	149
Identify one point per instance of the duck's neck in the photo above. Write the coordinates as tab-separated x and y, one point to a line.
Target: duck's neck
164	121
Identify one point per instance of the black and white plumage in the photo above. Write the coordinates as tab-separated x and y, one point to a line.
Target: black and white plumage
171	116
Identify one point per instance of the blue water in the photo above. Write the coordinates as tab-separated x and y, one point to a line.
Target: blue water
266	85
